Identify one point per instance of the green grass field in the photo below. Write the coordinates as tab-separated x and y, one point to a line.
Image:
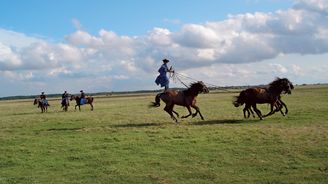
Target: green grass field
124	141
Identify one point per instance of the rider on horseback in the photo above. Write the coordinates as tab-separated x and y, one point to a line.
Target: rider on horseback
44	100
82	98
65	100
162	78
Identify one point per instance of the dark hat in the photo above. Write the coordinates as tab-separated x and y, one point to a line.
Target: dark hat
42	92
81	91
166	60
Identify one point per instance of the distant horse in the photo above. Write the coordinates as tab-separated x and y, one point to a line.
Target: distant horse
41	105
186	98
89	100
64	104
252	96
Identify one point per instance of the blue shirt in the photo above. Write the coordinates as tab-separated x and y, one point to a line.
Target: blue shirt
162	79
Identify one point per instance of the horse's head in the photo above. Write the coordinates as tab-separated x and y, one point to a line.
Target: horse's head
284	85
72	98
291	86
35	101
199	87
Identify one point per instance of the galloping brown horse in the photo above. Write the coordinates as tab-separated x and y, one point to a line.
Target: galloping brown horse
78	101
186	98
41	105
278	105
252	96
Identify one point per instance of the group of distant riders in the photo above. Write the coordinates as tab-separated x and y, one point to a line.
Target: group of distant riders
64	100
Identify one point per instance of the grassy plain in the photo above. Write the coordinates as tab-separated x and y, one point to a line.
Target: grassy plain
124	141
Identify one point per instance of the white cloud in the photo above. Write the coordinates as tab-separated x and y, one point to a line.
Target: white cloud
8	59
278	68
16	40
297	70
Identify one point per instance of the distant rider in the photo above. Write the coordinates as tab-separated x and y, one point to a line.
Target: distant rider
44	100
65	100
82	98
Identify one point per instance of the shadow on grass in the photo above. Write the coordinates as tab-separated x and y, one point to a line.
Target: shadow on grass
40	113
198	123
64	129
224	121
132	125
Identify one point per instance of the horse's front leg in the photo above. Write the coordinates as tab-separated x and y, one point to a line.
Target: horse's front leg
283	105
279	108
197	111
271	110
190	113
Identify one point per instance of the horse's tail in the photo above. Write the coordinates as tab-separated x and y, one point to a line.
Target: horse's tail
157	102
240	100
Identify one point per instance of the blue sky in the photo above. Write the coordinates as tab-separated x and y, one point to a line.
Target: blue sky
107	45
53	19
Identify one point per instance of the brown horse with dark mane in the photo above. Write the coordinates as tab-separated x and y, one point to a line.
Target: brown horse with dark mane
272	95
41	105
186	98
89	100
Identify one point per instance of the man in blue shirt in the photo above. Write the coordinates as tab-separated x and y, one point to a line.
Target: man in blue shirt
162	79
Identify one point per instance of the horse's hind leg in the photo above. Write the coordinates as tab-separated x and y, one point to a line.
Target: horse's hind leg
258	112
91	107
248	110
175	113
244	111
169	110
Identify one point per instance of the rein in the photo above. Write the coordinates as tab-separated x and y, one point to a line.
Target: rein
176	77
180	77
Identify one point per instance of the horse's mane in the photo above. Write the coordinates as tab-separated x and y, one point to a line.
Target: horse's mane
193	88
276	84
